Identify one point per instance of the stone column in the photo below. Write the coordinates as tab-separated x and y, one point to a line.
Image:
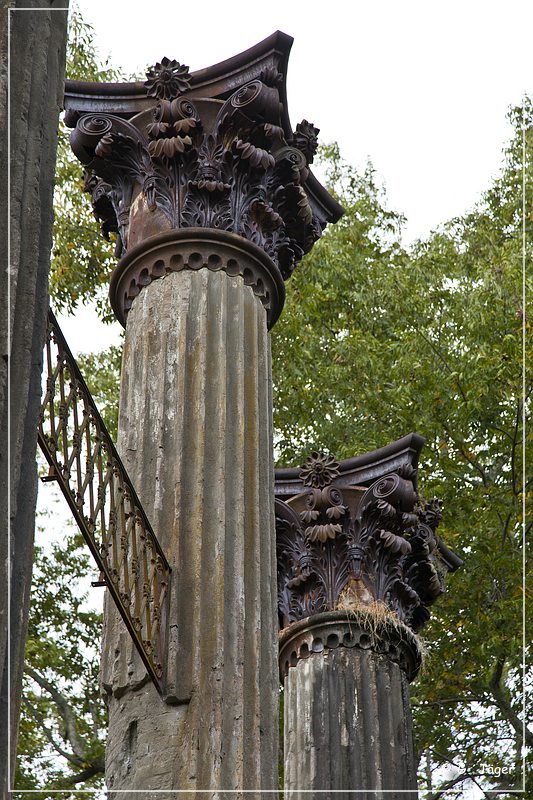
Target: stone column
210	199
357	568
195	432
347	720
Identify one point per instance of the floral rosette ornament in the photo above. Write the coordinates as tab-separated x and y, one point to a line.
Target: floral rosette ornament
319	470
324	507
305	138
167	79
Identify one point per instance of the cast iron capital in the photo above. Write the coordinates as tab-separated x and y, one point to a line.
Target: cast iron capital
354	550
212	149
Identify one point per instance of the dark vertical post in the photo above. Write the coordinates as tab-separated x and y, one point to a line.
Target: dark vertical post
37	65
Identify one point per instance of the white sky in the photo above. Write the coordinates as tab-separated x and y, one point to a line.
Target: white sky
421	87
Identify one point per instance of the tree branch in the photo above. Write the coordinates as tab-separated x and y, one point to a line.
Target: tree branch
501	430
465	775
439	354
73	759
94	718
445	787
504	705
78	746
505	532
96	768
470	698
475	464
513	448
468	459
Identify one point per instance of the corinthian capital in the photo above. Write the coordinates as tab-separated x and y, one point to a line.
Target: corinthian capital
348	547
212	149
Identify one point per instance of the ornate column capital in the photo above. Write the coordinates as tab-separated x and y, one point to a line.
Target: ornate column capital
204	153
350	551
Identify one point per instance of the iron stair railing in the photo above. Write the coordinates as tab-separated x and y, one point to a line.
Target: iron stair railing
83	460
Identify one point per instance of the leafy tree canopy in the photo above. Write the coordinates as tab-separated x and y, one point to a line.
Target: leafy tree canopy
377	341
63	721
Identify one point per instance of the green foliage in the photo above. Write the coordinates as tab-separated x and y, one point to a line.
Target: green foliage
63	721
375	342
342	304
82	260
102	375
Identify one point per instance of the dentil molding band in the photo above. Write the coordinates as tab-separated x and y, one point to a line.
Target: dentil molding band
194	249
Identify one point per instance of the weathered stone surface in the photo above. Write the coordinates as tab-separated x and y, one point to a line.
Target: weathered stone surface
196	438
348	727
38	40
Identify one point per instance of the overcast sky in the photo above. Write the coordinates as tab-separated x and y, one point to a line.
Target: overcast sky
420	87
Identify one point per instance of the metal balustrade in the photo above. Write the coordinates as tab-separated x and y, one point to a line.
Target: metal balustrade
83	460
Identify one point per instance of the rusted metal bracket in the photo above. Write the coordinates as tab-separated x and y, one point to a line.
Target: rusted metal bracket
85	463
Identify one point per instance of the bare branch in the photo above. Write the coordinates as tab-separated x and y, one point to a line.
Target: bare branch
78	746
445	787
504	705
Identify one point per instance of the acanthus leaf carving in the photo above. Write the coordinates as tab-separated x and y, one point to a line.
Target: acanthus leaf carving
342	549
235	170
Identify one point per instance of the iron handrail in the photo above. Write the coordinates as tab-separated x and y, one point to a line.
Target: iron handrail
85	463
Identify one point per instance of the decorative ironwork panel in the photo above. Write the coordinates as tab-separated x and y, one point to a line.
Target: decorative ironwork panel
84	462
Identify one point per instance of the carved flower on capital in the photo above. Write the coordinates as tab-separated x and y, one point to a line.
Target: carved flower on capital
305	138
319	470
167	79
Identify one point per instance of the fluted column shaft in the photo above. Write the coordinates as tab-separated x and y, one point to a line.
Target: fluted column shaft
195	434
347	720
